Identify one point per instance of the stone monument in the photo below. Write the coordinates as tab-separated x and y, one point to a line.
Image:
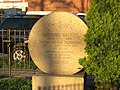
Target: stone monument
56	42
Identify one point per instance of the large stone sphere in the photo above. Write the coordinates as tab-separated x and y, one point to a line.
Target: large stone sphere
56	42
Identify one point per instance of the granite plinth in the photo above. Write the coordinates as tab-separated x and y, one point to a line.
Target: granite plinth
58	82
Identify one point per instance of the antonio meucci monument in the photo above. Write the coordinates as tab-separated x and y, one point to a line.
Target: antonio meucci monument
56	42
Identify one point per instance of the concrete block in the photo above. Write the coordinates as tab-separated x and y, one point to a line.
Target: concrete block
58	82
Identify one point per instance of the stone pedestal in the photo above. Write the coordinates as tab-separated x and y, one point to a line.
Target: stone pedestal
58	82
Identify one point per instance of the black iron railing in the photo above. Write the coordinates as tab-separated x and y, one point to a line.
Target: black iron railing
14	53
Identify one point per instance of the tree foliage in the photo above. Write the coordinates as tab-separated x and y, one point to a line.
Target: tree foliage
103	42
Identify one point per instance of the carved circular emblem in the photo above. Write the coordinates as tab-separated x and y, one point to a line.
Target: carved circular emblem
56	42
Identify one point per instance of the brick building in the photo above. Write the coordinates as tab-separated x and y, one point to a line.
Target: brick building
56	5
59	5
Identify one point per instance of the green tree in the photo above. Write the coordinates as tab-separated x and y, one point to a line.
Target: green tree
103	42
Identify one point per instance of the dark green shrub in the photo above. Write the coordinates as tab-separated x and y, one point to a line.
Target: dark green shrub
103	42
15	84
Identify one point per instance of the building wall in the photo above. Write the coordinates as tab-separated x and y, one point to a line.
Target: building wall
57	5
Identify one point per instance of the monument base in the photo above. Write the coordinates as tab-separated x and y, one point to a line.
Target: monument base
58	82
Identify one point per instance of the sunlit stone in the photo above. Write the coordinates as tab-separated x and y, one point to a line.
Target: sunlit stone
56	42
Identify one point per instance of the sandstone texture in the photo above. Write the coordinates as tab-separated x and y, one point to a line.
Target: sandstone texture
56	42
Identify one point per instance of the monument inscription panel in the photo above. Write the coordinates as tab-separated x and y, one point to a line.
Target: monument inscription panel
56	42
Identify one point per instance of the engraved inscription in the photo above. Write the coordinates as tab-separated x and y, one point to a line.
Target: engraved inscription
59	42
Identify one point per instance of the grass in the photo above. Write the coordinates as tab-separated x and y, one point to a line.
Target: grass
27	64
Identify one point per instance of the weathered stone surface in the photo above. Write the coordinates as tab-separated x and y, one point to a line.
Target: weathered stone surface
57	82
56	43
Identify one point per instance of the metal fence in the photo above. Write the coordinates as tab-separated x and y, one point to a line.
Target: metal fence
14	54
